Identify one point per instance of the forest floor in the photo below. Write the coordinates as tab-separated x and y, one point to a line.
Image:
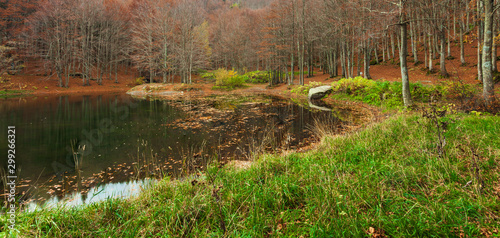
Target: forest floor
29	81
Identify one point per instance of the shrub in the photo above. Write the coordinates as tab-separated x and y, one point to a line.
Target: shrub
304	89
236	81
457	90
390	93
257	77
352	86
208	75
376	93
228	79
139	81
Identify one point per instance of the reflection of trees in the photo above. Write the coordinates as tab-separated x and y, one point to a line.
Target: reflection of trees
266	128
48	125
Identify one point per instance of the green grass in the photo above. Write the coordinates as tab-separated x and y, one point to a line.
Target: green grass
388	176
388	95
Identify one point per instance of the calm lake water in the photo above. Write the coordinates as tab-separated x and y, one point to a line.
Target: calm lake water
120	139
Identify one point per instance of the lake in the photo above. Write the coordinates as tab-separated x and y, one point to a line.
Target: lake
72	147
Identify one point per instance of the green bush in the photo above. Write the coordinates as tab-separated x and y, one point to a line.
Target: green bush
353	86
236	81
139	81
377	93
229	79
257	77
304	89
230	76
453	89
208	75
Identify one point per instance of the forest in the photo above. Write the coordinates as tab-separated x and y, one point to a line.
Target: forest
249	118
94	39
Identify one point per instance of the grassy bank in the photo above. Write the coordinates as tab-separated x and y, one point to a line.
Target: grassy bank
387	95
388	179
14	93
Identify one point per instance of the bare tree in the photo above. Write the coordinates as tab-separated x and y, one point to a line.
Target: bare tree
189	16
403	52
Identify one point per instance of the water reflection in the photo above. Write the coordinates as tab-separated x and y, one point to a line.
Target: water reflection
128	139
96	194
319	105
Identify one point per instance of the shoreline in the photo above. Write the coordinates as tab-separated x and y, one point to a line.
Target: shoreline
359	180
372	177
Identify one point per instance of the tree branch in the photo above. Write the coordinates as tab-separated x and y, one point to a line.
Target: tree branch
495	8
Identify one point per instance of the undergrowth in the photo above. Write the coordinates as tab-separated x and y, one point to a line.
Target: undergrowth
389	94
231	78
304	89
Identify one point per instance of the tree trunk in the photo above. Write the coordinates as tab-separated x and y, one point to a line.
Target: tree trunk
413	42
308	64
351	52
291	71
388	48
437	50
425	50
479	40
393	45
494	57
448	42
442	61
349	62
367	61
343	62
329	63
488	92
383	50
367	64
68	71
430	54
116	72
494	49
302	51
462	51
402	58
310	68
358	68
335	64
